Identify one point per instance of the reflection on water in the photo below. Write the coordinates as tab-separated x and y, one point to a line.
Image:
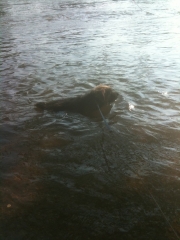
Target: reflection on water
64	176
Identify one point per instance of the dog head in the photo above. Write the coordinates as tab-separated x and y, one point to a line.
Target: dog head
104	95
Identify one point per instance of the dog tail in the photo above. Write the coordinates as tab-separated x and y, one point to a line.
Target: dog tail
40	105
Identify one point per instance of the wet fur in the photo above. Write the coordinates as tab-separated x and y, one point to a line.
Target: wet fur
101	95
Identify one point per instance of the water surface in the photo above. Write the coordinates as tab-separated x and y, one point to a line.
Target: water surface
63	175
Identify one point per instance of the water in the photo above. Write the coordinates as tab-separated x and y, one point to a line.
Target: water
65	176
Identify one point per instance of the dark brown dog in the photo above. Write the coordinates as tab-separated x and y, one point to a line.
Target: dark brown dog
87	104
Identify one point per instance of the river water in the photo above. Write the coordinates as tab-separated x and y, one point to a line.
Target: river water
66	176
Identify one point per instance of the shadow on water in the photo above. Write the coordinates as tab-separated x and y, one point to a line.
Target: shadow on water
98	185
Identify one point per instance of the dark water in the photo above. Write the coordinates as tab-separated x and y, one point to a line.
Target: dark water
65	176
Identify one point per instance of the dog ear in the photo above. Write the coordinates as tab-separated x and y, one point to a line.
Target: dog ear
107	94
100	97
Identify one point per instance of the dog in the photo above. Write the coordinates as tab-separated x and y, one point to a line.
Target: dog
88	104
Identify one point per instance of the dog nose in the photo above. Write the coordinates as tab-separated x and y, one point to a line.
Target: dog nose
115	95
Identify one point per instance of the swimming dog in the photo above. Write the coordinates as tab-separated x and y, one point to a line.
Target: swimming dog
88	104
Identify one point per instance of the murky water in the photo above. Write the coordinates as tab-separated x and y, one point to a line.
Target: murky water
65	176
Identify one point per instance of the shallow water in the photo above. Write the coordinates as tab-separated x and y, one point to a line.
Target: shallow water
64	175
